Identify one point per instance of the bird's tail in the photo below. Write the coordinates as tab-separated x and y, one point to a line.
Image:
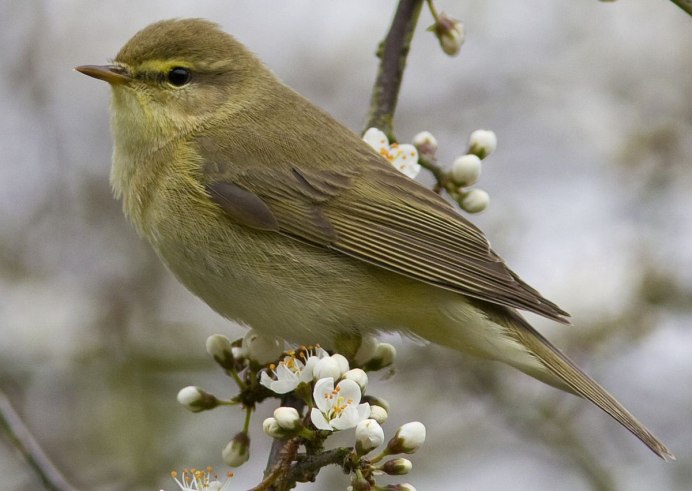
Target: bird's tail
569	376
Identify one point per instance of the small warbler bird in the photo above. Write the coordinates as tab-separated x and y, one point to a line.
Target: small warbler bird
279	217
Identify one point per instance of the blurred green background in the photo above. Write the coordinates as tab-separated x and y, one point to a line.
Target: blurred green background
590	203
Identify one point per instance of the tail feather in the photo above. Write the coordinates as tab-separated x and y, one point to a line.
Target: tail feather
581	384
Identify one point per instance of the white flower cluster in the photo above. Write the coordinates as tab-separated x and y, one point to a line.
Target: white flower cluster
337	407
403	157
331	390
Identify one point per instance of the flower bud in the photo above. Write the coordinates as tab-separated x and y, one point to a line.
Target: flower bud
369	436
476	200
287	418
397	467
378	413
426	143
366	350
220	348
342	362
376	401
466	169
399	487
408	438
237	452
359	483
384	356
196	399
358	376
450	33
262	349
271	427
329	367
482	143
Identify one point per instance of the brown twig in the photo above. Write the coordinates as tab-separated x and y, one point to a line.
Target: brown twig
22	439
279	449
392	53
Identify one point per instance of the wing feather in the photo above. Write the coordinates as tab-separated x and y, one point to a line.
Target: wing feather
379	216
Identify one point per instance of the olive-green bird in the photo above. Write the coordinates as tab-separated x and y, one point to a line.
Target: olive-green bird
279	217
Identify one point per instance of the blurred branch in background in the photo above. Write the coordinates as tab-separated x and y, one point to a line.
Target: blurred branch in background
21	438
685	5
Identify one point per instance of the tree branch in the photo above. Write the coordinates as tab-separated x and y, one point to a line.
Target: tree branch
685	5
22	439
392	53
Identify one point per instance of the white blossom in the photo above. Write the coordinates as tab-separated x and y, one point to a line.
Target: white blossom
338	407
198	480
291	372
403	157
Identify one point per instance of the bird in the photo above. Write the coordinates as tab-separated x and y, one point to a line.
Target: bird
281	218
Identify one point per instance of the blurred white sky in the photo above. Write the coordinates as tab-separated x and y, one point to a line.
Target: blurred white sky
569	87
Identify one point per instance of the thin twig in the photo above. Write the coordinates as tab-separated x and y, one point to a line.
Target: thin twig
22	439
311	464
277	450
392	53
685	5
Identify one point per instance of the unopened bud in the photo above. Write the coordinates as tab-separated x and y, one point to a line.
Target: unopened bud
237	452
426	143
220	348
384	356
378	413
408	438
399	487
262	349
287	418
397	467
466	170
482	143
358	376
475	201
366	350
330	366
369	436
376	401
359	483
271	427
196	399
450	33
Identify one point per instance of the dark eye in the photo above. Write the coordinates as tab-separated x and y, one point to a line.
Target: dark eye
179	76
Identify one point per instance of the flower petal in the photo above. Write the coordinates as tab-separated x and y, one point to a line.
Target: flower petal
349	391
319	420
322	394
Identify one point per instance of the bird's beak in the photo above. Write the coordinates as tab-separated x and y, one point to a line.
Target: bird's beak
113	74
